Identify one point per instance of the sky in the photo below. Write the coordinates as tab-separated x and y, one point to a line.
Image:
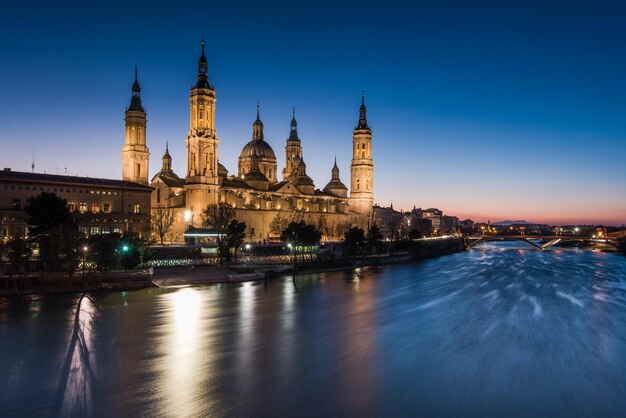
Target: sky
487	110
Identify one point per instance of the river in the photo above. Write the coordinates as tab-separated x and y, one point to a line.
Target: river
495	331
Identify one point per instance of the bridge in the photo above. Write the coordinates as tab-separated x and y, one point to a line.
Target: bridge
541	242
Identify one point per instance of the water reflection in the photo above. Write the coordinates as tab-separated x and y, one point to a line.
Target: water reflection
496	331
181	371
78	371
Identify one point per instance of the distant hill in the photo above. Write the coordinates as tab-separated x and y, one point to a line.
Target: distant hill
507	223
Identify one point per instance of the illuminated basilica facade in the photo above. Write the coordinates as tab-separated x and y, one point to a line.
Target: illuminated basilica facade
257	191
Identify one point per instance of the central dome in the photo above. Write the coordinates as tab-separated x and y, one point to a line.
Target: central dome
259	147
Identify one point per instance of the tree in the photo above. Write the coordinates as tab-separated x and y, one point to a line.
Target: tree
278	225
354	241
220	217
103	250
161	220
374	240
131	250
17	252
54	231
322	225
236	233
301	236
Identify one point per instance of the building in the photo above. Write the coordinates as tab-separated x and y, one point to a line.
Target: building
255	189
392	223
99	205
450	224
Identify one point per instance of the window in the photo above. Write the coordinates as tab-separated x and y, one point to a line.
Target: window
82	207
94	230
16	204
95	207
106	230
107	207
358	184
116	230
158	195
83	230
136	208
71	206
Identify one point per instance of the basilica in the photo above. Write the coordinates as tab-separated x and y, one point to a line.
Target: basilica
255	190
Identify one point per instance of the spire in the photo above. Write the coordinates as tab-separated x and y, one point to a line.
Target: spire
293	134
166	168
202	81
135	100
257	126
32	166
335	170
362	113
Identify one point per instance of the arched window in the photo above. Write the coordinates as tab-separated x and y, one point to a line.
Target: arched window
158	195
358	184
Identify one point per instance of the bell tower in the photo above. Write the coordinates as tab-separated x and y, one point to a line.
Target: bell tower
135	153
202	143
293	150
362	167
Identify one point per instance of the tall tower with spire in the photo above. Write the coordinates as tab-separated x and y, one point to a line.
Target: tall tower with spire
202	143
135	153
293	150
362	167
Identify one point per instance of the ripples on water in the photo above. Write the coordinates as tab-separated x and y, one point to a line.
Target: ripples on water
492	332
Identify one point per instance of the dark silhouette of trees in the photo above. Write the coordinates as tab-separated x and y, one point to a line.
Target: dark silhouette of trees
103	251
374	240
53	231
302	237
354	242
132	250
235	235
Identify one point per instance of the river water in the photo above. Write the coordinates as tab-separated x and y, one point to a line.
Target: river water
495	331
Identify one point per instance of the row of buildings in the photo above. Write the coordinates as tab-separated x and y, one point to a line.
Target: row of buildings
418	222
257	189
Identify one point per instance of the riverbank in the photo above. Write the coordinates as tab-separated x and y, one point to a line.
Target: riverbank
197	275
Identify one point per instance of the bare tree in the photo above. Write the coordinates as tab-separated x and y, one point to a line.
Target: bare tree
161	220
322	225
278	225
219	217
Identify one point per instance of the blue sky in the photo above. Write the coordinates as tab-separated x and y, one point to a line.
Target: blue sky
494	110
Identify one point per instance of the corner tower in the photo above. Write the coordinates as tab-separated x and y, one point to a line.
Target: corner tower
202	143
362	167
135	153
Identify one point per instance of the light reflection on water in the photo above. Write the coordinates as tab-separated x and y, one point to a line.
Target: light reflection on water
496	331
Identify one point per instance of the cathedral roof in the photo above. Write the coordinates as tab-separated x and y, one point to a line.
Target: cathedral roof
170	180
257	148
255	175
262	149
301	180
335	185
221	170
